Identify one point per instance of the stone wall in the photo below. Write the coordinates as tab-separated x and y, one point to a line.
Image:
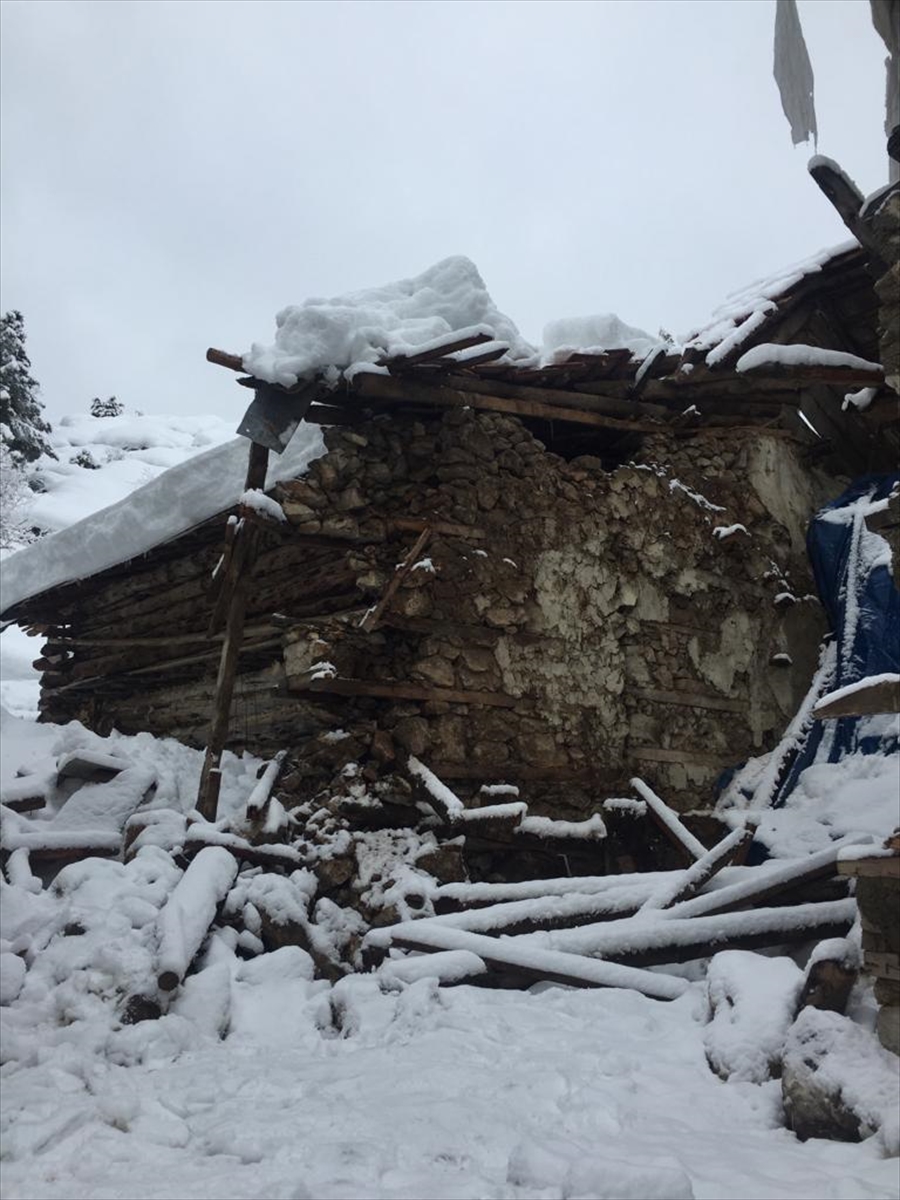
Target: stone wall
618	621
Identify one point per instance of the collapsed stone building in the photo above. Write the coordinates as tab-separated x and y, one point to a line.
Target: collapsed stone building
545	579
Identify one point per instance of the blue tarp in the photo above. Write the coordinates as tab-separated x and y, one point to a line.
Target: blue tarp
863	609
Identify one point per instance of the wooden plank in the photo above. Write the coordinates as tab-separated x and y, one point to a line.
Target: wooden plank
660	754
399	361
879	696
504	772
887	867
400	691
475	360
372	617
448	528
692	700
387	389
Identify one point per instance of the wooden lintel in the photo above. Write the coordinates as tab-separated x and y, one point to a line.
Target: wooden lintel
692	700
448	528
698	758
504	772
400	691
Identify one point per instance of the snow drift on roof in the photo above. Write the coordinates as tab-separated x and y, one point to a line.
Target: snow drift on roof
177	500
744	311
594	335
361	328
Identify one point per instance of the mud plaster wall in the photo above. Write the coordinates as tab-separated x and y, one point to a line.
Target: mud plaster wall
630	636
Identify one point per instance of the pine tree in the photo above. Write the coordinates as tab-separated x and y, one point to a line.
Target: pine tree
22	427
106	408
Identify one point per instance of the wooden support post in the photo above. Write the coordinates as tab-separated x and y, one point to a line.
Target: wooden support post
245	554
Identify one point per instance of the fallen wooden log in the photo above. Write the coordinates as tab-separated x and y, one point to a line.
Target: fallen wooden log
272	856
259	797
527	964
689	882
654	942
669	823
831	973
770	882
190	910
568	911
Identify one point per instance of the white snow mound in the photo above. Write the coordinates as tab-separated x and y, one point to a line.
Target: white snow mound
356	331
594	335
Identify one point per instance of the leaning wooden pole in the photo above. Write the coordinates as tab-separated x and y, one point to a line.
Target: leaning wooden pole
243	552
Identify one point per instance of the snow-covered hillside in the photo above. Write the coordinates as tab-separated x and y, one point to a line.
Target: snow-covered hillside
99	461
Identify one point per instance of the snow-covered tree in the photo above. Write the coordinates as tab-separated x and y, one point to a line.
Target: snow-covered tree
106	408
15	496
23	429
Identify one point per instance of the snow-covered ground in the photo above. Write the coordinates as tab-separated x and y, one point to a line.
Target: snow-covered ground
261	1081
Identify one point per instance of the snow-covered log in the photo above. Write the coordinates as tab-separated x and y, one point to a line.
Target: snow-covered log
185	920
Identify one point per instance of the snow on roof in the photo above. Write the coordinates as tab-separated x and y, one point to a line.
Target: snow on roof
746	310
358	330
176	501
594	335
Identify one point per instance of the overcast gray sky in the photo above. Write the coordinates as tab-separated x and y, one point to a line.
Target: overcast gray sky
176	171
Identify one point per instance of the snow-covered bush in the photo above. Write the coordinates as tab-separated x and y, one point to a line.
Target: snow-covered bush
110	407
15	497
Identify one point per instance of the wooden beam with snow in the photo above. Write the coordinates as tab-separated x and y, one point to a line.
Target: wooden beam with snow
767	882
259	797
525	965
399	361
688	883
869	697
846	198
801	373
669	822
184	921
273	856
670	939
